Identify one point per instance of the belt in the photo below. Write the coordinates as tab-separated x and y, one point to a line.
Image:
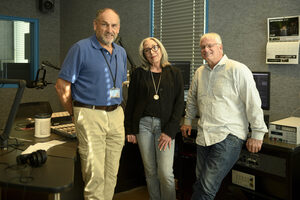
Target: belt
106	108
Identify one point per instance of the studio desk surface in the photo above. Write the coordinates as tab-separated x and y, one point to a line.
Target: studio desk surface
55	176
272	173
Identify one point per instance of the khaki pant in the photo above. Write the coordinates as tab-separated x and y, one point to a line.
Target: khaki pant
101	137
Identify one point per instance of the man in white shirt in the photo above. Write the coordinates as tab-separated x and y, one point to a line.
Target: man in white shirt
224	94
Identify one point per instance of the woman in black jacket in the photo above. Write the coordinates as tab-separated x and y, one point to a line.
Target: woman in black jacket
152	116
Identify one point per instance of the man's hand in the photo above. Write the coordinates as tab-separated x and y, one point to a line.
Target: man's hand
253	145
131	138
63	89
164	141
186	130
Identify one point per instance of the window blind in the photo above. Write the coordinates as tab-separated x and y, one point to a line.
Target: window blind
178	24
21	28
6	41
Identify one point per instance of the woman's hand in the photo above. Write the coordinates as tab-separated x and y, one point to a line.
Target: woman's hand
186	130
131	138
164	141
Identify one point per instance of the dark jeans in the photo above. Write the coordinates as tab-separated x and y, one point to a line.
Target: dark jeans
213	164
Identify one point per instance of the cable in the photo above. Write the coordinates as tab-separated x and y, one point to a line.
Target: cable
22	178
132	64
46	63
292	115
13	146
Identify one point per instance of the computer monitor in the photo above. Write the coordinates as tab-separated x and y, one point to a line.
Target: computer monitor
185	68
16	71
284	28
9	110
262	80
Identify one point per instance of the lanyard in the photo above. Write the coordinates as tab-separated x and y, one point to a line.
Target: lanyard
113	78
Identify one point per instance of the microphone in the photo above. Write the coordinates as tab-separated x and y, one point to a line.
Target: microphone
38	84
48	64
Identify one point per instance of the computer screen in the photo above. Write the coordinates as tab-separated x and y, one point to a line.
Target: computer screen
16	71
184	67
284	28
262	80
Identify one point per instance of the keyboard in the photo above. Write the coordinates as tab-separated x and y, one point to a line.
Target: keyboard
61	124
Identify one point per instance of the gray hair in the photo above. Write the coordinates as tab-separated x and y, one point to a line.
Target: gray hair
216	36
164	58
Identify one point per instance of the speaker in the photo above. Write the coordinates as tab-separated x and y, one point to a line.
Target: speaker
35	159
46	5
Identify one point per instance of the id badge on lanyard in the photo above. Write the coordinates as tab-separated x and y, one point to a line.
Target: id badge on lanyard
114	92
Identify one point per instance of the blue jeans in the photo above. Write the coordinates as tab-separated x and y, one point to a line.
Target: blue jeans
158	164
213	164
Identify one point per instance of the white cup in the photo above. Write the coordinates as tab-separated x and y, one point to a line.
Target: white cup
42	125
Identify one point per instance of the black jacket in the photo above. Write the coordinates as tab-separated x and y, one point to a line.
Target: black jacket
171	100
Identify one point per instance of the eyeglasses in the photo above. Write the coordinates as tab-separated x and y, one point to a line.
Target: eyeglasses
208	46
154	48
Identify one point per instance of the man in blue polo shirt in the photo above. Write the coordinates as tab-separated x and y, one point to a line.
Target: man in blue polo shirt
90	89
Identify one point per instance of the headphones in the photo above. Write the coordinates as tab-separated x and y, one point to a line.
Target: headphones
35	159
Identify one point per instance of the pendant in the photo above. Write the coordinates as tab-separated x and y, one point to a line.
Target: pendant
155	97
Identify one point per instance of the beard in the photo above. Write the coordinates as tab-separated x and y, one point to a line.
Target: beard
107	38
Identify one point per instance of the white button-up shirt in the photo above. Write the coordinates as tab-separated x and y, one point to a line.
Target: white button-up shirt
227	100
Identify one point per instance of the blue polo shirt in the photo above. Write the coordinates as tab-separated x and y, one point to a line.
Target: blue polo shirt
89	74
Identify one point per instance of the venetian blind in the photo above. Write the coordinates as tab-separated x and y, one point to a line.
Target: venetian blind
178	24
21	29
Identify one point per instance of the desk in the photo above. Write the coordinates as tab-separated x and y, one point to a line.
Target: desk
54	177
275	170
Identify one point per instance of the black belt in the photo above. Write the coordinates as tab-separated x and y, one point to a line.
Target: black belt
106	108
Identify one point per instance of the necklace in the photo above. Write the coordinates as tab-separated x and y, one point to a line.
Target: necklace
156	96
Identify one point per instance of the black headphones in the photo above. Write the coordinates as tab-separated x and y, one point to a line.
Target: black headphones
35	159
